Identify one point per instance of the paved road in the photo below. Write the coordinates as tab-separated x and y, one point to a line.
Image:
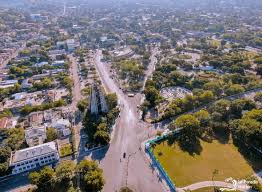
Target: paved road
134	170
76	91
151	66
15	183
204	184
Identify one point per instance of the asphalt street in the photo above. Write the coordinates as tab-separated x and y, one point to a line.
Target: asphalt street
134	170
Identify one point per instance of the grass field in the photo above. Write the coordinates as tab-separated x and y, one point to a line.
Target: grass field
185	169
66	150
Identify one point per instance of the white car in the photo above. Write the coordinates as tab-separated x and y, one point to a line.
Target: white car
84	136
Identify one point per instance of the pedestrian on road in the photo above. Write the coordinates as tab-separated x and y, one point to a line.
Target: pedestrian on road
120	160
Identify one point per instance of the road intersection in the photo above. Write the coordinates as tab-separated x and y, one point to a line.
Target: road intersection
135	170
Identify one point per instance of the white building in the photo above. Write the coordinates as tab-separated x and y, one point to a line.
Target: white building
71	45
35	136
60	44
62	126
7	83
34	157
58	63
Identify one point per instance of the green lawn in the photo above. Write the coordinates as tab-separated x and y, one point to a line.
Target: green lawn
185	169
66	150
206	189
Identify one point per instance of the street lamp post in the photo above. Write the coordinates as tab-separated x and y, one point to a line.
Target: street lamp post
128	159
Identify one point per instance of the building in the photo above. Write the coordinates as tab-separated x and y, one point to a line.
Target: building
71	45
62	126
40	76
34	157
60	45
35	136
36	118
97	101
38	17
7	83
26	84
93	101
103	104
59	63
3	123
41	64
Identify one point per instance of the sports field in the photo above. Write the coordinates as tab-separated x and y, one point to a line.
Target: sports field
185	169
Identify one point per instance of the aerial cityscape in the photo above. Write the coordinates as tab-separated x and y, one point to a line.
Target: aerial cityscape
130	95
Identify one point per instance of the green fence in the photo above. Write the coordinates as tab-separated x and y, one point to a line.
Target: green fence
157	163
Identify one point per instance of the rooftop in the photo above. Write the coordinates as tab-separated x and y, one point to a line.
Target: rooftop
32	152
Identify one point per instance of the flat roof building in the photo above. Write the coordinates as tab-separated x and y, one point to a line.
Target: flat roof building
34	157
35	136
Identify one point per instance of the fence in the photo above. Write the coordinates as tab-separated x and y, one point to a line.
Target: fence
157	163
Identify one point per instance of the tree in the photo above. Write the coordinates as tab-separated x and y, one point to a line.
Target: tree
44	84
33	59
255	114
102	127
94	181
125	189
51	134
44	179
188	139
203	116
111	100
258	60
91	176
206	97
188	122
4	154
15	138
4	157
102	137
65	171
247	130
237	106
259	70
258	97
152	95
222	107
82	105
4	169
234	89
215	87
67	82
172	110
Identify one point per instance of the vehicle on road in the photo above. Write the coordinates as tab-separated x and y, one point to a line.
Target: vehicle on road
131	95
84	136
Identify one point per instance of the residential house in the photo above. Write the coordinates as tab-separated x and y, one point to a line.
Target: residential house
4	122
7	83
62	126
36	119
35	135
